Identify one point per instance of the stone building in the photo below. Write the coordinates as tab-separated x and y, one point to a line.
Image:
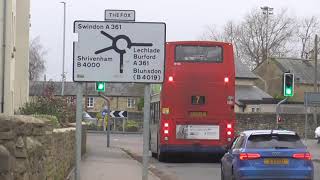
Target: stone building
250	98
272	71
14	54
122	96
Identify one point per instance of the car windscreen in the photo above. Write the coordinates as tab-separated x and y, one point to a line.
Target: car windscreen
189	53
277	141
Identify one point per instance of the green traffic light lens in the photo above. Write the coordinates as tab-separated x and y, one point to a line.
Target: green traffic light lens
288	91
100	86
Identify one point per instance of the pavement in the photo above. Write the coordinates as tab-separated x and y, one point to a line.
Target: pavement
314	149
110	163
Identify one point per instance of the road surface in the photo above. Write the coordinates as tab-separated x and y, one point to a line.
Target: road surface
199	168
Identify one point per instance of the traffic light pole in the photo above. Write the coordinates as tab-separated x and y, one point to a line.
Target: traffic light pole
108	116
278	111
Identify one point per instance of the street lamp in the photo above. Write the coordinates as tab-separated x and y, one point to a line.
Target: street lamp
63	46
267	11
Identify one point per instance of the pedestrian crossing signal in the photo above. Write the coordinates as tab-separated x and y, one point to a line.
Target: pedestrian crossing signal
288	84
100	86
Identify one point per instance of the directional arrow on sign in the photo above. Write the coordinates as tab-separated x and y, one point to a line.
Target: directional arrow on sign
120	114
123	113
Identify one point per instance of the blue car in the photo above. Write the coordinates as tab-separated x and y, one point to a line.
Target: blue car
267	155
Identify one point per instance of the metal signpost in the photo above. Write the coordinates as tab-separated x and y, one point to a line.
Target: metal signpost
78	130
108	128
146	129
103	114
278	117
117	51
311	99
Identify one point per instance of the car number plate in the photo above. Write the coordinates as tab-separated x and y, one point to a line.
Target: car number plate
276	161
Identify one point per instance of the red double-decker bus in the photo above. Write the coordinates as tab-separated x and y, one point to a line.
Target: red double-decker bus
193	110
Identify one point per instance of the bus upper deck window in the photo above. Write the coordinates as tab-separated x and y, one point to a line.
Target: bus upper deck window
197	53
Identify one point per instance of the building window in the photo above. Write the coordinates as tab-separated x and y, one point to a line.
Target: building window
255	109
90	102
131	102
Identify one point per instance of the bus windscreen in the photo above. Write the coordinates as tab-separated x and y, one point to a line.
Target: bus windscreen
188	53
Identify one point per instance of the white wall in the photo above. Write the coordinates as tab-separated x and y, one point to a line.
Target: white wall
21	91
9	57
16	85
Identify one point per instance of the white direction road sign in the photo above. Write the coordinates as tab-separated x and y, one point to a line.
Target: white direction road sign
119	51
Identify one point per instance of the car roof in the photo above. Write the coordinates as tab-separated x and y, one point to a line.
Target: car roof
270	131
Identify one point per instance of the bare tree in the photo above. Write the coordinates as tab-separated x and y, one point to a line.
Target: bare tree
36	59
229	33
253	38
212	33
308	27
255	33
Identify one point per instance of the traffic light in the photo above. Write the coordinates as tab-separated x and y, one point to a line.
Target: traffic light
288	84
100	86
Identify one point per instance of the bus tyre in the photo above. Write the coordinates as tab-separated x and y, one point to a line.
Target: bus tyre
162	157
154	155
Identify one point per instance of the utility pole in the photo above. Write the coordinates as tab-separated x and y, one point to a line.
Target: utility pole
315	85
267	11
63	46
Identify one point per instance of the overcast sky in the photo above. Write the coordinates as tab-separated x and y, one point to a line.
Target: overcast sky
185	19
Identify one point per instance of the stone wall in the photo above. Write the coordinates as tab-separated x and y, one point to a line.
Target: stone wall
294	122
30	149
